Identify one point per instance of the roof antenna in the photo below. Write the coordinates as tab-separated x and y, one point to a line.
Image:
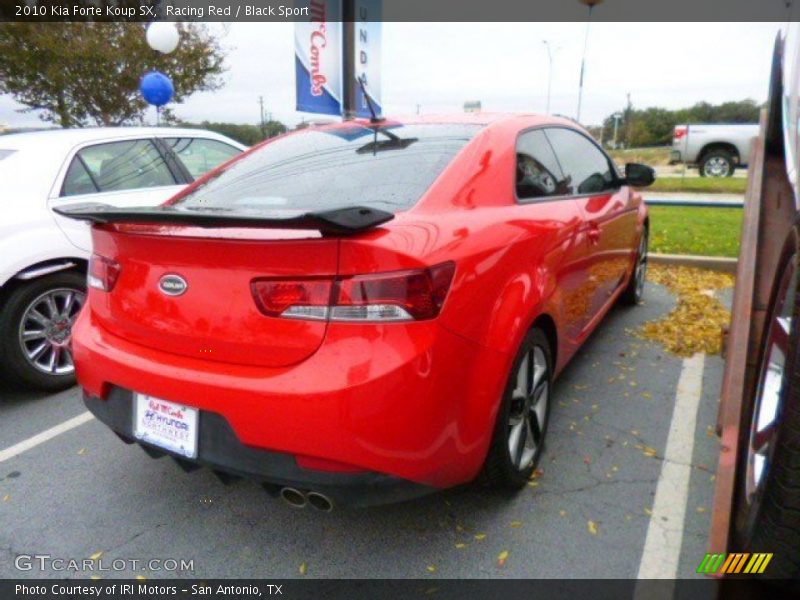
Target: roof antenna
374	118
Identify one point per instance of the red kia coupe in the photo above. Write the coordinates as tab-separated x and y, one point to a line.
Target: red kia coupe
363	312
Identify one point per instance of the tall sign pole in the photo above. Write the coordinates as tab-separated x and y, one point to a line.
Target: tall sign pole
349	60
591	4
364	57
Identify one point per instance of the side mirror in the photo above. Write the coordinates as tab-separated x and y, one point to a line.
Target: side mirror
638	175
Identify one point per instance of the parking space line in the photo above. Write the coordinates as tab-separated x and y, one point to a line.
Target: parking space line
41	438
662	547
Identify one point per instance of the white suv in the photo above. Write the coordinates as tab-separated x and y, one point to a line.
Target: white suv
43	256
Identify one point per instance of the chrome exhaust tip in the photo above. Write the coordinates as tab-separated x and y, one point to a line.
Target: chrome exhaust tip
320	501
294	498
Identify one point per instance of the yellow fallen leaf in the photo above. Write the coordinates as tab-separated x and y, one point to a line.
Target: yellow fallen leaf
141	577
695	325
82	451
95	577
648	512
701	509
502	558
96	555
461	545
7	497
533	483
431	569
480	536
648	451
592	527
303	568
562	513
516	524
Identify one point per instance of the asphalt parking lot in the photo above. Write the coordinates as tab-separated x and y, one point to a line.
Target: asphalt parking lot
596	509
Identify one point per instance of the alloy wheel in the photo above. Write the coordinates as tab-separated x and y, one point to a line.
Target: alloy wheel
45	330
529	402
717	167
771	381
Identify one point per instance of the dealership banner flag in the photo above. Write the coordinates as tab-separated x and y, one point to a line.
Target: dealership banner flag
368	16
318	58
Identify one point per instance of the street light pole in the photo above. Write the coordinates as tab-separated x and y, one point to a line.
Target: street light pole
591	4
549	73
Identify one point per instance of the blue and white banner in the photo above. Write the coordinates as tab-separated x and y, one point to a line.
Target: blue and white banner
318	58
368	54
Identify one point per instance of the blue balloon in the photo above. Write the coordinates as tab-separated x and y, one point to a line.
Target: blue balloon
156	88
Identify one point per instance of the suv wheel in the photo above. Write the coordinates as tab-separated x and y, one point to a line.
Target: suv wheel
36	331
768	474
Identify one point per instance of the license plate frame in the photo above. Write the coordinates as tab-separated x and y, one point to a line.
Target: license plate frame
167	425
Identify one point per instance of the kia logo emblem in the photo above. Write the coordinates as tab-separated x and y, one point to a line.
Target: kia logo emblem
172	285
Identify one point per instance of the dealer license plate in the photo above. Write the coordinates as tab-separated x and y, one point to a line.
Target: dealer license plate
166	424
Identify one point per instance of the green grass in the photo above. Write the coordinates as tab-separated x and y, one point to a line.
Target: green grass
695	230
702	185
648	156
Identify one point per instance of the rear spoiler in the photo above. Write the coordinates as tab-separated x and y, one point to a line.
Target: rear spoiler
341	221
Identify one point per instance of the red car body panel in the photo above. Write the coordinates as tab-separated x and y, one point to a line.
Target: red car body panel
415	400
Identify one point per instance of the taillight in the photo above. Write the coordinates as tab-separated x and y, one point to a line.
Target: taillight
103	273
680	131
296	299
395	296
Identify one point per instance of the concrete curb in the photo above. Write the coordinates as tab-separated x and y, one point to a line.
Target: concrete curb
714	263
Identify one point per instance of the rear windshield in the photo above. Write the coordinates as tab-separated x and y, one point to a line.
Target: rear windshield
380	167
6	153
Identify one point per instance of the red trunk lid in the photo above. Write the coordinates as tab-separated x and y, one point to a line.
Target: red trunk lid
216	317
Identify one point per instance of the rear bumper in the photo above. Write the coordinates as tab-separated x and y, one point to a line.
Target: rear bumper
674	157
220	450
410	402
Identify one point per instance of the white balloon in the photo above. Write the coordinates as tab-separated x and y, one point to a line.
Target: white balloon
163	36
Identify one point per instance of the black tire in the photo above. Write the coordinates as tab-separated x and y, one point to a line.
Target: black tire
14	366
499	469
712	158
768	518
634	291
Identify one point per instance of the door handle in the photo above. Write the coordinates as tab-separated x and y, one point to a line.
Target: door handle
593	232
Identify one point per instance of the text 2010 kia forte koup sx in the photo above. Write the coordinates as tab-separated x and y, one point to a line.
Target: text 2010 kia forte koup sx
362	312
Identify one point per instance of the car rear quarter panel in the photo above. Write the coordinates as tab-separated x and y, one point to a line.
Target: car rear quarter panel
509	257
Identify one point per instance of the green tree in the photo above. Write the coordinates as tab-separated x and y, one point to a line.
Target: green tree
81	74
246	134
654	126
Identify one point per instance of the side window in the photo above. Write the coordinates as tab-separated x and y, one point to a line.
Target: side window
538	172
586	167
117	166
200	155
78	181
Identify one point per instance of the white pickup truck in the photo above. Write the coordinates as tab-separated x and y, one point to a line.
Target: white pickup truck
715	149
